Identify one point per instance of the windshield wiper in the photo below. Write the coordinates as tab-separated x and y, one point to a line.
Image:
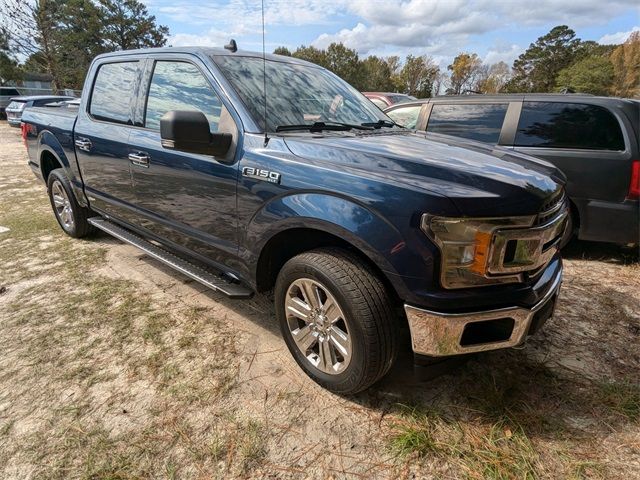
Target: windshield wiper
381	123
320	126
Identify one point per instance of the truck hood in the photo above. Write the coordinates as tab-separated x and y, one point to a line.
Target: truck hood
479	179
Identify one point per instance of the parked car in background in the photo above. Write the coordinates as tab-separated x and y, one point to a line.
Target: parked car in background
6	94
18	104
594	140
386	99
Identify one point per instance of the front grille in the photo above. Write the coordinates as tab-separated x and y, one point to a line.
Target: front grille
551	208
530	249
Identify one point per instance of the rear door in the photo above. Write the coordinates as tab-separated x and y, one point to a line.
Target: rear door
187	198
585	141
101	138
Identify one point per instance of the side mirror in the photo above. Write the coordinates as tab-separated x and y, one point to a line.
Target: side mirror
188	131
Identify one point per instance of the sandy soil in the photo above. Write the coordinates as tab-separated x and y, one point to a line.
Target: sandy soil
113	366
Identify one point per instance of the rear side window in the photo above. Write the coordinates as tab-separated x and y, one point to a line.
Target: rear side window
180	86
406	116
481	122
568	125
113	91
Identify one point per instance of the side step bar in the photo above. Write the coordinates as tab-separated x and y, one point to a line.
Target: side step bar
209	279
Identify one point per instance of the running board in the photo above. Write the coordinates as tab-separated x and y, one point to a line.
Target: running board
209	279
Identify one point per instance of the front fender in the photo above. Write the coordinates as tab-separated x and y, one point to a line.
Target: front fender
357	224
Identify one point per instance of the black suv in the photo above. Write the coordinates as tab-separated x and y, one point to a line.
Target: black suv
594	140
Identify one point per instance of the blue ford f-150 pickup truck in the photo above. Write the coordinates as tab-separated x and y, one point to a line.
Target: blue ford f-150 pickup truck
360	228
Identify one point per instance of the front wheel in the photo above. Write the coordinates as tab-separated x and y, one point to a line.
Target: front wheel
337	319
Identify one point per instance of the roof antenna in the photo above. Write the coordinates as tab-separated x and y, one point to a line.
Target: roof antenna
264	80
232	46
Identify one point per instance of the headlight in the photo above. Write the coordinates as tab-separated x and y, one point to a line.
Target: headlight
466	247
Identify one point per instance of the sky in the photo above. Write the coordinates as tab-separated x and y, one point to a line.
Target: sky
494	29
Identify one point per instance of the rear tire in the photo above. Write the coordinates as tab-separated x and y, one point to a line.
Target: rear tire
337	319
70	215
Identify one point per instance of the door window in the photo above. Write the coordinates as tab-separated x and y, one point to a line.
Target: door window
112	92
568	125
481	122
406	116
180	86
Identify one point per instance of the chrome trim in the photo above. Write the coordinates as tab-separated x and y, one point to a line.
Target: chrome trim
532	254
439	334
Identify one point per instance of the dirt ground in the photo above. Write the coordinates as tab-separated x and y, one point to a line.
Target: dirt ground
114	367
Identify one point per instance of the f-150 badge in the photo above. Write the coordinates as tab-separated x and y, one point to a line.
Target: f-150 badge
261	174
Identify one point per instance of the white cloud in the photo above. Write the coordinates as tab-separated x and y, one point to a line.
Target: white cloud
248	13
431	26
569	12
618	37
212	38
502	53
440	28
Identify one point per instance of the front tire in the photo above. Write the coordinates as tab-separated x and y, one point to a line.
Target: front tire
337	319
70	215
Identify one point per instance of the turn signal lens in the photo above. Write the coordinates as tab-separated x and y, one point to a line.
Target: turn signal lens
483	242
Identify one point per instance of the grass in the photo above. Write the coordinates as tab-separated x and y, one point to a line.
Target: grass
478	449
496	422
623	398
106	381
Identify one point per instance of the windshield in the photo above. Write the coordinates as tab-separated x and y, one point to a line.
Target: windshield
296	94
16	105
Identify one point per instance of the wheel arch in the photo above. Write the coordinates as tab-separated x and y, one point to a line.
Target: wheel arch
288	243
51	155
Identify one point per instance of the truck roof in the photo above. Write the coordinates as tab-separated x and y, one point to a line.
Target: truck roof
209	51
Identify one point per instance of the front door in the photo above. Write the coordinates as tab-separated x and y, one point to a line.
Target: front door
187	198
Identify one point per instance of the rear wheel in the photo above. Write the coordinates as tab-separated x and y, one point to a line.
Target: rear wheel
337	319
70	215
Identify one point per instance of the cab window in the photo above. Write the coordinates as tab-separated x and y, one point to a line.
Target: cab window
113	90
180	86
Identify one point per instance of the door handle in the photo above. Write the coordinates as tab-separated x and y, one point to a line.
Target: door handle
83	144
140	159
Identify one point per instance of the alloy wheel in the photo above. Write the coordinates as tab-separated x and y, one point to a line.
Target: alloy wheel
62	204
318	326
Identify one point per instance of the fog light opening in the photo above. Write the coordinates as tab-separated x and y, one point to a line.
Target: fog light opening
487	331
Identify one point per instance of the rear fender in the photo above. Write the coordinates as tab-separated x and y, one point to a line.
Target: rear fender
48	142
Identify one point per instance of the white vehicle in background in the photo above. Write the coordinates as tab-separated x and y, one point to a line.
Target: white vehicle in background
18	104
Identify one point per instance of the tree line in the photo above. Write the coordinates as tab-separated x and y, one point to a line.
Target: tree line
61	37
557	61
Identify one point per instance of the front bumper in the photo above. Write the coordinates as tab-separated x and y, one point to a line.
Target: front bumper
442	334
